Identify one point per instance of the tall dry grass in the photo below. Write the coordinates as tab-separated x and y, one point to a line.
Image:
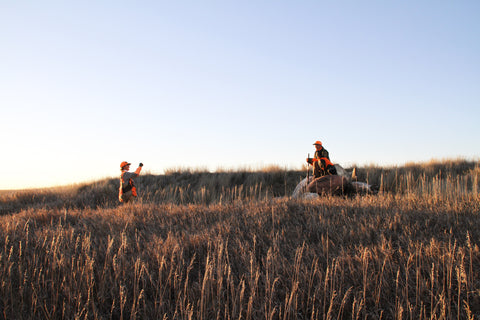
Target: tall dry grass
409	253
203	187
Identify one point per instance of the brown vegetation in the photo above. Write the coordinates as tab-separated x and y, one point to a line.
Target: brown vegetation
222	245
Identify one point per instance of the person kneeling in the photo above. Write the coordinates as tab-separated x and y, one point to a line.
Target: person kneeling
321	163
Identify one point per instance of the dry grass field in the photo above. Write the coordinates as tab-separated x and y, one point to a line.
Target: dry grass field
233	245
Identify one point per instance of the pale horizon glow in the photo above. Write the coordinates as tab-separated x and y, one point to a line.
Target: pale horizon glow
222	84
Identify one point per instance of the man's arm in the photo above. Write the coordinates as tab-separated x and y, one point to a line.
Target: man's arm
140	166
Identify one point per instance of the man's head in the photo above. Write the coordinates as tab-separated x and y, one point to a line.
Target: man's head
125	166
318	145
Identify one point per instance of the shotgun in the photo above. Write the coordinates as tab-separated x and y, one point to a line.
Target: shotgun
308	172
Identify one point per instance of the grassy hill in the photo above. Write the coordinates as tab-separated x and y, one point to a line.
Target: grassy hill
230	245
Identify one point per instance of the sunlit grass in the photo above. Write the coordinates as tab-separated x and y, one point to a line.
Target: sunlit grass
202	245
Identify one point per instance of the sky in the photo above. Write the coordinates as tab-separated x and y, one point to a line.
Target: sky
85	85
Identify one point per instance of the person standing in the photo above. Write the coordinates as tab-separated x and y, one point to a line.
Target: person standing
127	190
321	163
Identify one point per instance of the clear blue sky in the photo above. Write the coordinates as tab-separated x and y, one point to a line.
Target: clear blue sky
85	85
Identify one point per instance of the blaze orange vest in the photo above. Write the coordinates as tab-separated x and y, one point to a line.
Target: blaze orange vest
125	187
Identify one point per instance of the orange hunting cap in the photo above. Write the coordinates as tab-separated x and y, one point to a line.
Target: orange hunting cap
318	142
124	164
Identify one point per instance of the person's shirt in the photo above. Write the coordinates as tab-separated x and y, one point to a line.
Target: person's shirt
323	153
126	175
